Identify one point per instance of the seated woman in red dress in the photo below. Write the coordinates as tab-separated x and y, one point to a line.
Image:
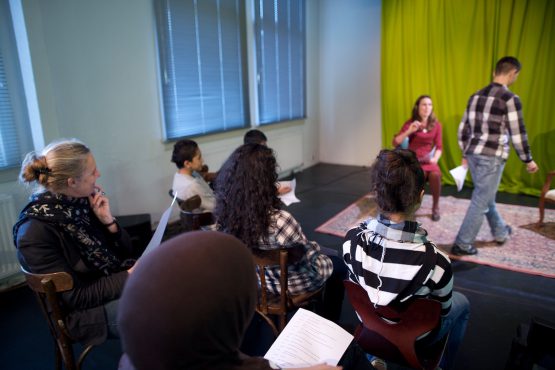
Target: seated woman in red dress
423	132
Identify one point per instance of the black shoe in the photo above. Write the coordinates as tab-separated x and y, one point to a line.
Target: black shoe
460	251
509	232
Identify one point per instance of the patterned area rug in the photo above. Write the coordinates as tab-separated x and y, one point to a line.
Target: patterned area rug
530	250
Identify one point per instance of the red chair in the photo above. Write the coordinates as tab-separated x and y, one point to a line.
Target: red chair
391	333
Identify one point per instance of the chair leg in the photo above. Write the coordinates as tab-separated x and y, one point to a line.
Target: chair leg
270	322
67	356
541	206
83	355
282	320
434	179
58	356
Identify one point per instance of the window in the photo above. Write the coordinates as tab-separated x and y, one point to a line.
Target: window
280	55
204	66
9	142
15	137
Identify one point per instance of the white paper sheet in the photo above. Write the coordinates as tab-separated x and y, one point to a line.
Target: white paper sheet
289	198
159	233
309	339
459	174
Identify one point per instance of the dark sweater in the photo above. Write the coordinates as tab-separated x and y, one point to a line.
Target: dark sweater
43	248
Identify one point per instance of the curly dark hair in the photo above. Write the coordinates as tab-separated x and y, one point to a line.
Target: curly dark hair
398	180
246	195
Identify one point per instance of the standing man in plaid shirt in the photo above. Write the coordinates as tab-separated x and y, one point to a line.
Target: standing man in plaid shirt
492	118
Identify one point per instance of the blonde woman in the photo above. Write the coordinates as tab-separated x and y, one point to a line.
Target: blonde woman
68	226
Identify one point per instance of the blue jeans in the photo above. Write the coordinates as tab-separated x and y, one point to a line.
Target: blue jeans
455	323
111	310
486	174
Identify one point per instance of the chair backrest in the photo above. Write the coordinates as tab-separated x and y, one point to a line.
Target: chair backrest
189	204
541	337
194	221
279	305
191	220
390	333
47	288
532	347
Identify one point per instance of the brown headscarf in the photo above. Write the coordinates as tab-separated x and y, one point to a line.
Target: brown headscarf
187	305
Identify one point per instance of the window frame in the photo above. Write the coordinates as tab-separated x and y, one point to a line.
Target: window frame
250	78
10	13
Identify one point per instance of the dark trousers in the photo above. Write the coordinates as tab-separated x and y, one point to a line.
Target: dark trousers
334	291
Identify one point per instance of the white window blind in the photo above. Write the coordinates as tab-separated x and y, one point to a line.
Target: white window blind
13	126
280	59
9	143
203	66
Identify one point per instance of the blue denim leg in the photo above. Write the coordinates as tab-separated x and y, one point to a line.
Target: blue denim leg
486	174
111	310
455	324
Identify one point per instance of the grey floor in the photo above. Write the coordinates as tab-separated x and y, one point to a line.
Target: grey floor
500	299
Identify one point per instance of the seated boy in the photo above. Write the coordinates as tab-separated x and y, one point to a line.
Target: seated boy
188	181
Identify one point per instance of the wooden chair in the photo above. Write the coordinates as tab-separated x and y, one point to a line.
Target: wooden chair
191	220
532	348
280	305
390	334
546	195
47	288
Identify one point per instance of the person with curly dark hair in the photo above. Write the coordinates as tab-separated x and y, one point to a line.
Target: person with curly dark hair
248	207
391	257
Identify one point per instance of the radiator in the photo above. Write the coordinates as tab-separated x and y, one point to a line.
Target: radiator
8	260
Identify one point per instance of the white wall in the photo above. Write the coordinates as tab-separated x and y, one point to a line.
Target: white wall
96	77
350	104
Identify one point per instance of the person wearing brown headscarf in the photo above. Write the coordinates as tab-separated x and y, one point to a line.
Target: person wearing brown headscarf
188	304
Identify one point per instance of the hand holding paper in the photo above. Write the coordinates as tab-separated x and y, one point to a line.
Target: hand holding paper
289	198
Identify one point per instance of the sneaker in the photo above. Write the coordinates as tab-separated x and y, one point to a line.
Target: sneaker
462	251
507	237
379	364
435	216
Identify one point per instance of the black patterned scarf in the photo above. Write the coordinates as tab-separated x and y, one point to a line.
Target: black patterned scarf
74	217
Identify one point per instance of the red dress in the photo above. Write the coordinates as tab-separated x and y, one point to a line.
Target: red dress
422	144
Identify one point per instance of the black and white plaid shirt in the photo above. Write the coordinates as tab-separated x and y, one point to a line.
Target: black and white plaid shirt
311	272
492	118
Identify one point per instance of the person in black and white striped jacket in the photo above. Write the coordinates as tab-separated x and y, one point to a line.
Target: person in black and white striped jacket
391	257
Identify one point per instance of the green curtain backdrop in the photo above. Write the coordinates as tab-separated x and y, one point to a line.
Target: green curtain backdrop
448	49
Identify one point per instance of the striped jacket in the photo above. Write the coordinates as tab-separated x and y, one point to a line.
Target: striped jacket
384	257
